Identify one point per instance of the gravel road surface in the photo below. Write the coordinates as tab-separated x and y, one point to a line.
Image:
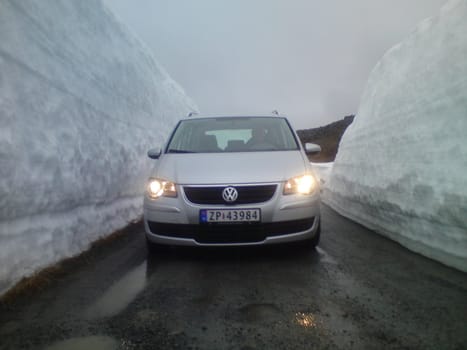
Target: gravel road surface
357	290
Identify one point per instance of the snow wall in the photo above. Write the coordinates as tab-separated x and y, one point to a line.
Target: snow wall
81	102
401	168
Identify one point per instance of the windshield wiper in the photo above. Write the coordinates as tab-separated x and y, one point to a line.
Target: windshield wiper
179	151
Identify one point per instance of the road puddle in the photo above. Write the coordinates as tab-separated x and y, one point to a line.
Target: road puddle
260	313
85	343
119	295
306	319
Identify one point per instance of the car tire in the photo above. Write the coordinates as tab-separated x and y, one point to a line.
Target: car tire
154	247
313	242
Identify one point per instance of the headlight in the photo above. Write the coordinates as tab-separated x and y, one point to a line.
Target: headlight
158	187
304	184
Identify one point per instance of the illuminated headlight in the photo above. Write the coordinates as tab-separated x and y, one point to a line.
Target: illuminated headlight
304	184
158	187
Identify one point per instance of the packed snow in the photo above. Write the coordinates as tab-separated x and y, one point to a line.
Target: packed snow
401	166
322	171
81	101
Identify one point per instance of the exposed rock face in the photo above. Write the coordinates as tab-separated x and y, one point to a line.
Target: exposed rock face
328	137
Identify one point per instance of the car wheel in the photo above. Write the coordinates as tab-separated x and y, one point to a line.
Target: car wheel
154	247
312	243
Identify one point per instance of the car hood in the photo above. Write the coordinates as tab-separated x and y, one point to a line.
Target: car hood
231	168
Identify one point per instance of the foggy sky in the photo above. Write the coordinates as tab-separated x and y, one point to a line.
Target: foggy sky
307	59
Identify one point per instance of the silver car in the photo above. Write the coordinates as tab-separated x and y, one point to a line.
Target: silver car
232	181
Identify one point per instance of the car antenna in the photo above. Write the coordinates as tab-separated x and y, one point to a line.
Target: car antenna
275	112
191	114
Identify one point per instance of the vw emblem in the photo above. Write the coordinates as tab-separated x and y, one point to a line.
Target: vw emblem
229	194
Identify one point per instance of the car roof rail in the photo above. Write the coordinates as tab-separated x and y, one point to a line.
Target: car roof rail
191	114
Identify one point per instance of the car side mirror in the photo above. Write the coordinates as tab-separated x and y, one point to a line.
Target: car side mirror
155	153
312	148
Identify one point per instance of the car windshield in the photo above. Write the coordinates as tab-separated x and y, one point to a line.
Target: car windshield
232	134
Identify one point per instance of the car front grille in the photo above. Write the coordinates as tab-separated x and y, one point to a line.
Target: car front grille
230	233
213	194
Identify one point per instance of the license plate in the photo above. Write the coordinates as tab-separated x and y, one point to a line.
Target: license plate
229	215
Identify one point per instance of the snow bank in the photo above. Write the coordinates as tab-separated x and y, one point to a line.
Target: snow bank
81	101
401	168
322	171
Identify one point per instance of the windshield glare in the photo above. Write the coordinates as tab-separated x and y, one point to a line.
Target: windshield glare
239	134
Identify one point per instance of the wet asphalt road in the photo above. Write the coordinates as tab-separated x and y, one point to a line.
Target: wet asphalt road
358	290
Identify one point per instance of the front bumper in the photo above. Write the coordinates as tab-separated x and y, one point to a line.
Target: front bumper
284	218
